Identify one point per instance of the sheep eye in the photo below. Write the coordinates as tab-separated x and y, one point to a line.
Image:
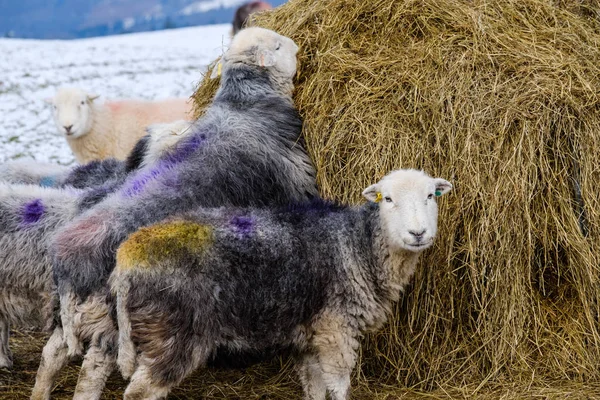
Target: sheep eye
388	199
430	196
278	46
82	102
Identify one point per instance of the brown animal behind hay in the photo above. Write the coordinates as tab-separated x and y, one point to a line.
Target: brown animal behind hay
502	98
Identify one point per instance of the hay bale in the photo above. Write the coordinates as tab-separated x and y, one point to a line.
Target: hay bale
502	99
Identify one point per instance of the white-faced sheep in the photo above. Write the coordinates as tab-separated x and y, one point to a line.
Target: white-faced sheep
313	278
244	151
98	131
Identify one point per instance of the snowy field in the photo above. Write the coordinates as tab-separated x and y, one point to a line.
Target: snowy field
151	65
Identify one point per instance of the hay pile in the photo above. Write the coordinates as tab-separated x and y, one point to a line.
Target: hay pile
501	98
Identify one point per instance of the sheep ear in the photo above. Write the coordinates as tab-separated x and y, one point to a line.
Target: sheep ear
372	193
265	58
92	97
442	186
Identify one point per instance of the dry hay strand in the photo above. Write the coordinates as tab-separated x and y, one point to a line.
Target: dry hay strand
501	98
263	382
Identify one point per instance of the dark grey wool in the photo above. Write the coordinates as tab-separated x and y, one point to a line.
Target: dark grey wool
311	278
245	150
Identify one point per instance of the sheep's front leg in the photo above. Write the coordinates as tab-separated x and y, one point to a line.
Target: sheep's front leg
5	353
311	377
54	358
97	366
335	344
142	387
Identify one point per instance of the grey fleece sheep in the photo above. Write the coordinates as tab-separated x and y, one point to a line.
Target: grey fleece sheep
311	278
83	176
28	216
245	151
31	213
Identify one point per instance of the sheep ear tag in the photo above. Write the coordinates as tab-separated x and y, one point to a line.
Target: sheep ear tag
216	72
438	193
378	198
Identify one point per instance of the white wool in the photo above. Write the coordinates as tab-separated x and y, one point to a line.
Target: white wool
98	131
267	49
163	137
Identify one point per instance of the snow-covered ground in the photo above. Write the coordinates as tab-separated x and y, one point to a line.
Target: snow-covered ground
152	65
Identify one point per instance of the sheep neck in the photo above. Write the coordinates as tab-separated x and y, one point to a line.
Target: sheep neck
242	83
391	270
89	144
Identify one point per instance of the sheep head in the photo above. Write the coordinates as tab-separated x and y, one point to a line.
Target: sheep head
264	48
408	208
71	109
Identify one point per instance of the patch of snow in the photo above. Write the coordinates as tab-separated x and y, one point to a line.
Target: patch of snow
204	6
150	65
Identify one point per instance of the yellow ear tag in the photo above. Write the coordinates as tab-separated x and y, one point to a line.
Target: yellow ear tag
219	68
378	198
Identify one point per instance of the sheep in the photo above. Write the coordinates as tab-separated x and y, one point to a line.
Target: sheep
33	172
97	131
31	213
313	278
244	151
158	139
28	216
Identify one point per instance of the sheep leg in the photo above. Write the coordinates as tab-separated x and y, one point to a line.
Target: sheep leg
141	387
311	377
68	304
335	344
5	353
97	366
54	358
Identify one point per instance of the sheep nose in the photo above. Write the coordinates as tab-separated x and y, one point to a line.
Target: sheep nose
68	128
418	235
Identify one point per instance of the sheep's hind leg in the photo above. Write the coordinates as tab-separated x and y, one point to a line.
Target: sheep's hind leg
54	358
311	377
141	387
5	353
97	366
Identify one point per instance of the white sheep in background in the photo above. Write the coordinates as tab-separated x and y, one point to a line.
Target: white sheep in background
98	131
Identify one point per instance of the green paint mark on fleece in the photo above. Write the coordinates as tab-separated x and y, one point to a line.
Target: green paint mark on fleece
151	245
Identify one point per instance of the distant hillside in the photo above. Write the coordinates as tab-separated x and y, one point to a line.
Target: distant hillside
66	19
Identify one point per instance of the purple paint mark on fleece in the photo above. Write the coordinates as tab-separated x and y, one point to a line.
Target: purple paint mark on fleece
32	212
185	148
136	186
242	225
182	151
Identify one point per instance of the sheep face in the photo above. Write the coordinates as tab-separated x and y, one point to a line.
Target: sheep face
71	109
408	208
265	48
